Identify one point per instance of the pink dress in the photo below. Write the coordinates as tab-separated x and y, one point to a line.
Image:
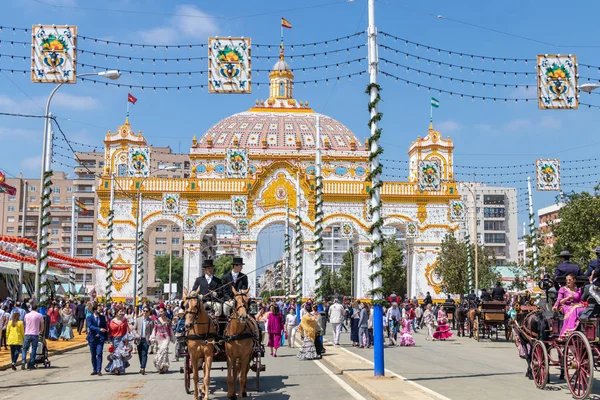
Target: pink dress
443	330
571	309
406	339
274	327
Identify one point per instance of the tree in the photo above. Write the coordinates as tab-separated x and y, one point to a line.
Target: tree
579	227
393	269
161	268
342	279
519	283
327	278
452	266
223	265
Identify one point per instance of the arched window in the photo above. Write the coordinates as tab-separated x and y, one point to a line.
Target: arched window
122	171
281	89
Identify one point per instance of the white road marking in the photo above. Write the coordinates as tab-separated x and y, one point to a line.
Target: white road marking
339	381
392	373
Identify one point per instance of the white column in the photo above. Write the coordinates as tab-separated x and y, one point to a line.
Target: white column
248	253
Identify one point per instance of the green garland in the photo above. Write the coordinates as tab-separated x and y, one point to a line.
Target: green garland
140	277
299	251
45	222
319	289
109	254
286	274
375	175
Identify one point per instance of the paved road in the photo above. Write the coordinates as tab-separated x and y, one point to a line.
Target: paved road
463	369
69	378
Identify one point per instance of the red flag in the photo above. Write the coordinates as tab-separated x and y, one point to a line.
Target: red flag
130	98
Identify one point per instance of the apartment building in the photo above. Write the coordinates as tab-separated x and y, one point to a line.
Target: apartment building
548	218
495	210
334	247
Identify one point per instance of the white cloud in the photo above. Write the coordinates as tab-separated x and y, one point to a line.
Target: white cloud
74	102
31	164
188	22
517	125
448	126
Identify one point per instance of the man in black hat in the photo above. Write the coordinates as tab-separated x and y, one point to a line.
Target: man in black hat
209	286
498	292
485	295
233	279
566	267
594	264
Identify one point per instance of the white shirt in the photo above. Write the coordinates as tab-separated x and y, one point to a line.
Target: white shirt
290	320
3	319
208	278
235	276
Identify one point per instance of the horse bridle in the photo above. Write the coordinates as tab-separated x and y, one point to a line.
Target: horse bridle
244	305
195	322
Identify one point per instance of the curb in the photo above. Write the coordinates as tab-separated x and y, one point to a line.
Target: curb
52	353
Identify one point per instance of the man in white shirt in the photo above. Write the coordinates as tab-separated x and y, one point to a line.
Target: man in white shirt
233	279
336	317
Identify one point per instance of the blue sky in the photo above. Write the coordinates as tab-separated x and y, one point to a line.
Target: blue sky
484	133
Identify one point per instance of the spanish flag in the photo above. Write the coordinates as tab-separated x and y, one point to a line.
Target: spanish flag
285	23
81	208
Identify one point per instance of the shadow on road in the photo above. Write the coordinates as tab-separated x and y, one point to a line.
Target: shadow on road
44	384
269	386
435	378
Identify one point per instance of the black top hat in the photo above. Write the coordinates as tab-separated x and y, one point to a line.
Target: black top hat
238	261
565	254
207	263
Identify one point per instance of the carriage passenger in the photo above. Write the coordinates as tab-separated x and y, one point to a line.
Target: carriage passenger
498	293
566	267
233	279
209	286
485	296
569	303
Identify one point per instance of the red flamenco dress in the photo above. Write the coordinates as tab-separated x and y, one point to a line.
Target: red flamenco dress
443	329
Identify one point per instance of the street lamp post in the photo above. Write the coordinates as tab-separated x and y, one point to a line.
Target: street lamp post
138	231
42	262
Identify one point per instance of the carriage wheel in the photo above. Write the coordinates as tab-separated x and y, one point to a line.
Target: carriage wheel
258	363
476	328
578	363
539	364
187	374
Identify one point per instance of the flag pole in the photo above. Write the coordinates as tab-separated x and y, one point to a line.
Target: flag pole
431	113
127	107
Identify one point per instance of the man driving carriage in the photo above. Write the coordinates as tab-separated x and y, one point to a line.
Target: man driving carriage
498	293
233	279
209	287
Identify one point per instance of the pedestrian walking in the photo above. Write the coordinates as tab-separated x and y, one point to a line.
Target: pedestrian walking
142	331
419	316
34	325
15	338
179	330
394	327
66	319
429	321
354	319
308	332
54	315
162	336
336	318
4	318
291	326
406	338
80	316
275	328
363	326
96	336
443	330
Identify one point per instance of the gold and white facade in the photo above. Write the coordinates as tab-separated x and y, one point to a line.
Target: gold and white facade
249	166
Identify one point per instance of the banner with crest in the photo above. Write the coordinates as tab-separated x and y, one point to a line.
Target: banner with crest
139	161
236	163
53	56
170	203
189	224
557	82
411	230
547	172
229	65
242	226
238	206
430	176
457	210
347	230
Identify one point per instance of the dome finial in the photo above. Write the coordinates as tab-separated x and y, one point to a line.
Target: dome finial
281	56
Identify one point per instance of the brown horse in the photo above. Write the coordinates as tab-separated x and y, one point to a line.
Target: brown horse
472	316
201	331
240	335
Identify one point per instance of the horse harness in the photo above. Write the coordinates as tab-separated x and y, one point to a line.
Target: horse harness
203	336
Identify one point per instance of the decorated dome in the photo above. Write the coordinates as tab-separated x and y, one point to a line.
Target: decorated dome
279	123
279	130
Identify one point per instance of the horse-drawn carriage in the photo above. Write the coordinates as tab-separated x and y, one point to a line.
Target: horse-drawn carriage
577	354
234	340
490	318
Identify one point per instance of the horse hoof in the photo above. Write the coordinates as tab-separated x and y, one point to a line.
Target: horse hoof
244	394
